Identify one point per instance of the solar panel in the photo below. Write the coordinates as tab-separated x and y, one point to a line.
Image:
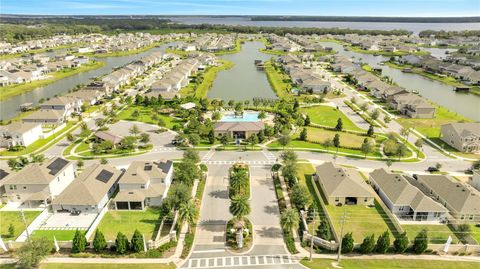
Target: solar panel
56	166
148	167
104	176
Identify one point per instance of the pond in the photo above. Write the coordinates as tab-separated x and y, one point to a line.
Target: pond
9	108
243	81
465	104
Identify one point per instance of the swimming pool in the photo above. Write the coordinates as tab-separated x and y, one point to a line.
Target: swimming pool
247	116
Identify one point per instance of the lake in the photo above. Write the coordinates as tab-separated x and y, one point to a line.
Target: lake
413	27
243	81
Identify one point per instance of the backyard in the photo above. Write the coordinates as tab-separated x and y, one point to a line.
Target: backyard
15	218
127	221
60	235
328	116
437	234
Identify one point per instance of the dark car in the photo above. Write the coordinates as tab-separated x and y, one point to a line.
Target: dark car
432	169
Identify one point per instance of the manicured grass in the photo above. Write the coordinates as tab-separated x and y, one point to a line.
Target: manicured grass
328	116
15	218
278	80
361	220
201	90
385	53
146	114
389	263
39	143
60	235
17	89
475	232
107	266
437	234
127	221
123	53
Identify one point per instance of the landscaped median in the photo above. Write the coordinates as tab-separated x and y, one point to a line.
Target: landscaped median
17	89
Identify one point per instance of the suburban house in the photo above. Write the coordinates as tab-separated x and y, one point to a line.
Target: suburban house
238	130
461	199
108	136
38	184
144	184
90	97
46	117
19	134
4	175
475	181
343	186
64	104
90	191
464	137
412	106
403	199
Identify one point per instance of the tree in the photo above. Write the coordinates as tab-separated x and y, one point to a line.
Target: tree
387	119
401	243
402	151
327	143
368	244
464	231
284	140
186	172
420	243
289	220
289	172
339	126
324	229
303	134
188	212
79	242
370	130
99	242
144	138
366	147
405	132
128	142
37	158
134	130
475	165
336	141
347	243
11	230
211	137
239	206
289	156
216	116
364	106
383	243
419	144
70	137
301	196
103	161
137	241
389	163
194	139
33	251
307	121
122	244
438	166
135	114
225	140
375	114
191	155
262	115
161	122
80	164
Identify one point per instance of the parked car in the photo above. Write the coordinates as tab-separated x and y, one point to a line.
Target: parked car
432	169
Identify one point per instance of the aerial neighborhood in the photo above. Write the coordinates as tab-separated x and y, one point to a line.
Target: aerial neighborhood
222	145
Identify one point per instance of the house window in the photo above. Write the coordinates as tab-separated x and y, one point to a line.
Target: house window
337	199
24	187
470	218
142	186
365	200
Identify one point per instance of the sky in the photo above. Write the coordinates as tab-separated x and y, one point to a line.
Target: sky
398	8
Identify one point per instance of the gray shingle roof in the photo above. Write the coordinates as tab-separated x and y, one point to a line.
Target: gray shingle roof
342	182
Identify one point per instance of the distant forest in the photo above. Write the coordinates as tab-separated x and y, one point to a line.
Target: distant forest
368	19
21	28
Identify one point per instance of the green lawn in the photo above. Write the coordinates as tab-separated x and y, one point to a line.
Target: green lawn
17	89
107	266
201	90
60	235
127	221
15	218
437	234
475	232
146	116
279	81
389	264
328	116
361	220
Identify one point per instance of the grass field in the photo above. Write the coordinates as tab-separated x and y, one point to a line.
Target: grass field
437	234
127	221
201	90
361	220
390	264
60	235
328	116
15	218
146	114
278	81
475	232
17	89
107	266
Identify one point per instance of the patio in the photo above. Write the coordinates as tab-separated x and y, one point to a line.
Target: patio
67	221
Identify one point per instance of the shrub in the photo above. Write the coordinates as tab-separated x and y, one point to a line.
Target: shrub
121	243
99	242
79	242
137	241
401	243
383	243
368	244
421	242
347	243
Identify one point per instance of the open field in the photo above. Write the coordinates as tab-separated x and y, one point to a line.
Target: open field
279	81
60	235
17	89
15	218
201	90
146	114
437	234
389	263
123	53
328	116
127	221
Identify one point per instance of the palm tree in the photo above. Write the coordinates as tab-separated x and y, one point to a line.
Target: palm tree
240	206
289	219
239	181
188	212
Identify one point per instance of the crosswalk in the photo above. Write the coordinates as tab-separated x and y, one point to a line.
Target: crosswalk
207	156
233	162
156	149
269	155
239	261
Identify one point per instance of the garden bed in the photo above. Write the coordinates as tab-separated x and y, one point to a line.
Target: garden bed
231	236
